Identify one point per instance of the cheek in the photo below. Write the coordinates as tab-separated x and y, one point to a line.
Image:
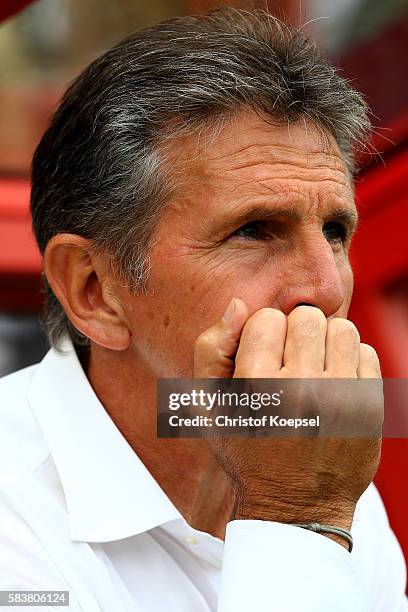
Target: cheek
195	287
190	298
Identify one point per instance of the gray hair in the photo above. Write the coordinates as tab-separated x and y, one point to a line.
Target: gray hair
99	170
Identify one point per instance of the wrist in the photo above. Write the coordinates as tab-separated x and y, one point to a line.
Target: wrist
300	512
339	535
292	517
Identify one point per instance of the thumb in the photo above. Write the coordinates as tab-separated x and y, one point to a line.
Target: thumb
215	348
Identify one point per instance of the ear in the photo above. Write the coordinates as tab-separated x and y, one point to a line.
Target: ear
86	287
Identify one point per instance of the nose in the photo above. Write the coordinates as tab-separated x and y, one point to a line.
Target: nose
313	278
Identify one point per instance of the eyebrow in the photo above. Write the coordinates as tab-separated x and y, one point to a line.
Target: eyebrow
347	216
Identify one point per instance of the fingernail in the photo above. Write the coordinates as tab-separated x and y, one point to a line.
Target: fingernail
229	313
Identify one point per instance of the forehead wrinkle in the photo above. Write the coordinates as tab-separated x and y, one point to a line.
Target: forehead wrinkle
281	185
306	161
246	123
314	146
211	175
289	148
309	179
213	163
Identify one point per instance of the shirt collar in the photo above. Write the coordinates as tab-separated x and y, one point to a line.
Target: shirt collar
110	494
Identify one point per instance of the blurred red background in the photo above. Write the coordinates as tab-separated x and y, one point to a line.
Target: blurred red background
373	54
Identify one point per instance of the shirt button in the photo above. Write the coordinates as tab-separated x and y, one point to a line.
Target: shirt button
190	540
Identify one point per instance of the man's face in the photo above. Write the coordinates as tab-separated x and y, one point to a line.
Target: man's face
264	213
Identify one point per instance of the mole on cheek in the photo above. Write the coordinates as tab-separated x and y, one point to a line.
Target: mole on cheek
166	320
192	288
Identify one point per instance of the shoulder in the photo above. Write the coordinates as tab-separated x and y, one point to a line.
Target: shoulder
15	385
22	447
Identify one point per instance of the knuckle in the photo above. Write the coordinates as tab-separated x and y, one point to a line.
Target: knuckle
258	328
370	355
205	341
308	327
255	336
265	315
369	351
345	331
309	318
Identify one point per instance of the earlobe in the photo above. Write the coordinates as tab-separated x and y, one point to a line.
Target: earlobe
83	282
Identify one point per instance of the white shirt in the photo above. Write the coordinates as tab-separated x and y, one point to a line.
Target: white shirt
80	512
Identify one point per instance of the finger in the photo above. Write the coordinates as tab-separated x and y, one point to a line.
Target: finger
369	364
305	343
342	349
215	348
261	346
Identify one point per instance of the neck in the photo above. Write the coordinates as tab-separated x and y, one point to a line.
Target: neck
184	468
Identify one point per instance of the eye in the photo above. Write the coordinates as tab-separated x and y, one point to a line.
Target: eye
251	231
334	232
